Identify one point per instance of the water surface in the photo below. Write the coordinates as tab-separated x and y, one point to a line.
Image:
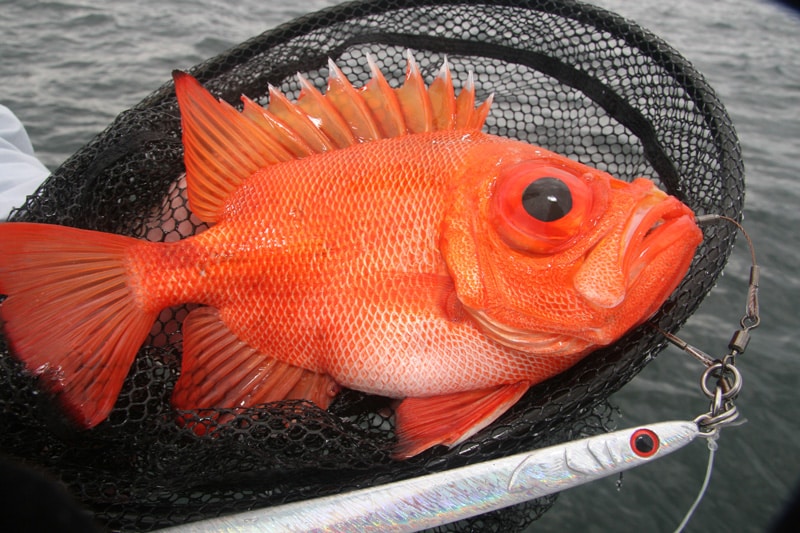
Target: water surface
67	68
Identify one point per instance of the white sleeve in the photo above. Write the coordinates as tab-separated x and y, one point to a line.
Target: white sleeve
20	172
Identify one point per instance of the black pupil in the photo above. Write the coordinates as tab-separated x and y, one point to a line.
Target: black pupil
547	199
644	444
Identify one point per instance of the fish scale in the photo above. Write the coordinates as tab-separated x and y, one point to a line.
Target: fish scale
407	265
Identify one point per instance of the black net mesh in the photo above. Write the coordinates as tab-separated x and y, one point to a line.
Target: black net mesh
566	76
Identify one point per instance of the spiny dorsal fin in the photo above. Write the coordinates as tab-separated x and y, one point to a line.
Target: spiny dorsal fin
383	103
224	147
443	99
349	102
414	100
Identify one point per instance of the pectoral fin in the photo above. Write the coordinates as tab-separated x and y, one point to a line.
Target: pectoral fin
452	418
221	371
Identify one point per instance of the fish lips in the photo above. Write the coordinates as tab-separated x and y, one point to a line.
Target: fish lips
653	238
659	224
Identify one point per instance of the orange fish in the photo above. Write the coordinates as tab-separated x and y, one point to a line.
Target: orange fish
367	238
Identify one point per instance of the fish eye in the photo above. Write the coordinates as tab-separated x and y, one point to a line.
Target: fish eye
547	199
539	208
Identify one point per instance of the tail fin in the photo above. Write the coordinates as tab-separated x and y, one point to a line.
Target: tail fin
70	315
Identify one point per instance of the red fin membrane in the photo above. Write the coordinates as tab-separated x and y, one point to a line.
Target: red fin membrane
70	315
414	100
221	371
287	143
330	121
443	99
224	147
352	106
451	418
382	102
299	122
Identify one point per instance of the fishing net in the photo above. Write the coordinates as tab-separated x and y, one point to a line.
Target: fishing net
572	78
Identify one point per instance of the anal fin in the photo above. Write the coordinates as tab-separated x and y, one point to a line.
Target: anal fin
451	418
221	371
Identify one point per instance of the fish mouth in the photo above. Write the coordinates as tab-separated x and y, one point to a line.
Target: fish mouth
658	223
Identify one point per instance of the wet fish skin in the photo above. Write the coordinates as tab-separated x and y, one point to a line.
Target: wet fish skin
370	238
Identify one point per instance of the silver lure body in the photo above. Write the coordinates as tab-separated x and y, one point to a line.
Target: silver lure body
444	497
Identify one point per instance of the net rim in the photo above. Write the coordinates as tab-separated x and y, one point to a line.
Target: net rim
574	387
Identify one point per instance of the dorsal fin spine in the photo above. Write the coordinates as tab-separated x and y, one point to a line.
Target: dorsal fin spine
291	143
414	99
480	113
323	109
382	101
253	157
351	105
296	119
465	103
271	148
224	147
443	99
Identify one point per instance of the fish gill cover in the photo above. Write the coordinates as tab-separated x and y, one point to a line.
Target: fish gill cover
575	79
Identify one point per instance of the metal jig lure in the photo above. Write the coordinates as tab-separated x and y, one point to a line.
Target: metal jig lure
444	497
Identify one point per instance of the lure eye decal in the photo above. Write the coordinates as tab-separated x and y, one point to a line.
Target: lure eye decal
644	443
538	208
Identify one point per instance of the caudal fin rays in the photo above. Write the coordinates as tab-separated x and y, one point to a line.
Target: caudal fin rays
71	314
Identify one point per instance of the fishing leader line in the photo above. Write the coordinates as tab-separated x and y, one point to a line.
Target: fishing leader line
712	450
721	382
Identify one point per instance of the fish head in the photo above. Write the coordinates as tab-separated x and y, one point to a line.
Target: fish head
551	256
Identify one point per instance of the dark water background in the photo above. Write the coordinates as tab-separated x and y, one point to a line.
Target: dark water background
68	68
